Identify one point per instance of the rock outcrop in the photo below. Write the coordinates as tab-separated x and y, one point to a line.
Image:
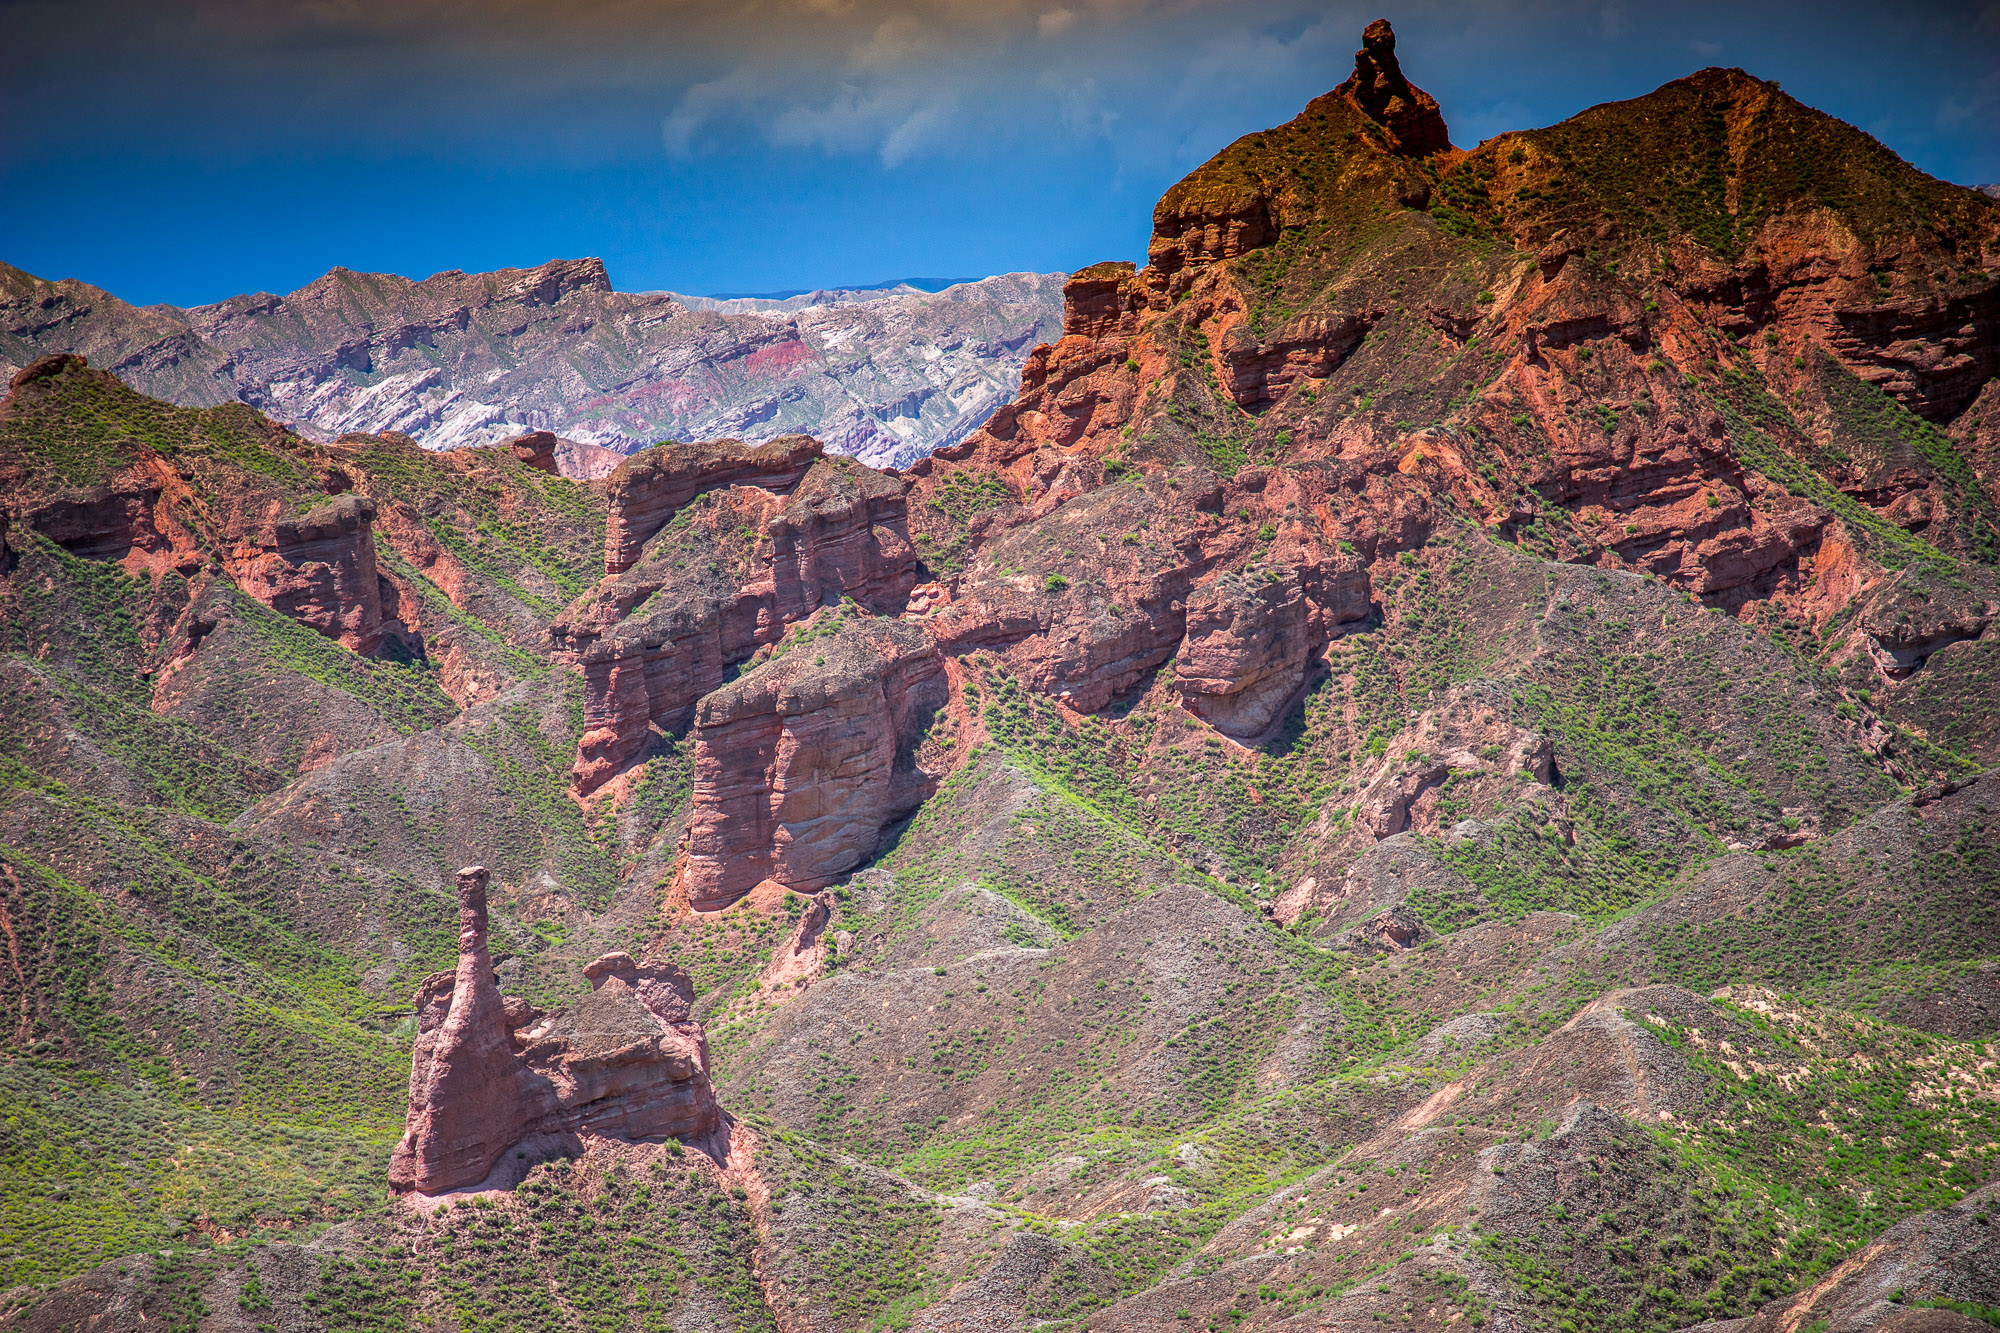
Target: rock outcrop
625	1061
1273	319
1456	767
114	520
802	762
1380	91
309	555
319	569
1086	603
1252	639
781	533
1423	622
647	491
537	449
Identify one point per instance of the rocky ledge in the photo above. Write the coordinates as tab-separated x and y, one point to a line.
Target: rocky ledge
710	552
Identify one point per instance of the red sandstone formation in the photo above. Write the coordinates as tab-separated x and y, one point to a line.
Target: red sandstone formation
537	449
117	520
1250	641
658	633
1589	412
801	763
1196	493
1379	90
628	1060
802	955
319	569
651	487
1125	558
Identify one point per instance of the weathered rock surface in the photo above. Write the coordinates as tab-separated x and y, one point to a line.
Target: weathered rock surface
319	569
1385	96
1227	341
470	359
1467	751
536	448
625	1061
1376	653
793	531
1252	639
1087	602
646	492
801	763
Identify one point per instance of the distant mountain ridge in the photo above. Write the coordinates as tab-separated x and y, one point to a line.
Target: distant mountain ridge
887	285
465	359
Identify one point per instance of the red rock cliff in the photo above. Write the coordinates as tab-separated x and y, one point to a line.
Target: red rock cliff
726	578
801	763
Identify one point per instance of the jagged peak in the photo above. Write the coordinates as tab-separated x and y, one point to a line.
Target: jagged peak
1379	89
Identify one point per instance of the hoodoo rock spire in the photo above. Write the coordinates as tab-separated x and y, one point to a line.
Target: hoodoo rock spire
1379	90
490	1071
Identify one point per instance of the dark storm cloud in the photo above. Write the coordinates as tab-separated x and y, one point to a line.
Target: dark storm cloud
184	150
898	79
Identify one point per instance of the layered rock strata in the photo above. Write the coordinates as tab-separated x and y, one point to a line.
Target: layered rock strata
802	762
468	359
317	567
649	490
1252	640
1628	392
780	532
627	1060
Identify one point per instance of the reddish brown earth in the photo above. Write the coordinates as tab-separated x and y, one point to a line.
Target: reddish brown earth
797	530
1507	355
1431	768
801	763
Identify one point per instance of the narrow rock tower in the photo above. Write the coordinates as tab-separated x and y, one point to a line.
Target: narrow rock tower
464	1102
488	1071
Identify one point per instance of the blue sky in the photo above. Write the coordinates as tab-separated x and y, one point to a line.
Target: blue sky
187	150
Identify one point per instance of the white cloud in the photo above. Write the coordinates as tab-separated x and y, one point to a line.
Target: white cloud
681	130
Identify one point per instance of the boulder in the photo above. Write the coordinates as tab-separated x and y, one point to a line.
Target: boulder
536	449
